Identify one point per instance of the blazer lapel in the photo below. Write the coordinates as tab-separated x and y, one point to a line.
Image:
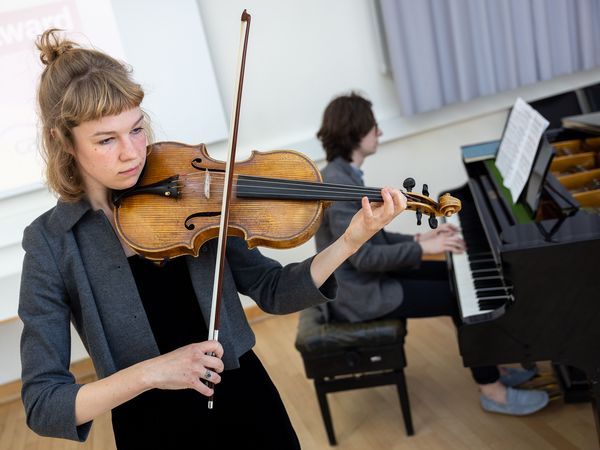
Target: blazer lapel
116	295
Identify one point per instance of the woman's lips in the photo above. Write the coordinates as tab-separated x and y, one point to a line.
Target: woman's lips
131	171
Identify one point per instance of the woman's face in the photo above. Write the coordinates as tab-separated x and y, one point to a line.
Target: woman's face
110	152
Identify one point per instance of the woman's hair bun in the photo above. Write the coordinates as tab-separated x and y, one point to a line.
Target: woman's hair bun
51	45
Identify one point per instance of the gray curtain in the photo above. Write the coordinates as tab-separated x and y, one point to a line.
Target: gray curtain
446	51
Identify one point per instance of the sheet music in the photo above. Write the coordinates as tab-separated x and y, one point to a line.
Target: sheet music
519	144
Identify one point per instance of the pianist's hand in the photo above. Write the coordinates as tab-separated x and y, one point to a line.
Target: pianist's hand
445	238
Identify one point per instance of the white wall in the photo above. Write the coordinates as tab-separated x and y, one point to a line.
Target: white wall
300	55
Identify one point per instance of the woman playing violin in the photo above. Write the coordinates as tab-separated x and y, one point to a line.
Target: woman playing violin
143	324
388	269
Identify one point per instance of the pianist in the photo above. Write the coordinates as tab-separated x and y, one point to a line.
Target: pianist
386	277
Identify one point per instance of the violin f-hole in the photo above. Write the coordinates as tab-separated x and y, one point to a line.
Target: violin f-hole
196	164
191	226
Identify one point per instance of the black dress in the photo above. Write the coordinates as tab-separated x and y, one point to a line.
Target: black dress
247	406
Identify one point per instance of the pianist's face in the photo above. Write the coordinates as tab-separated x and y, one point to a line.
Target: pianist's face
368	144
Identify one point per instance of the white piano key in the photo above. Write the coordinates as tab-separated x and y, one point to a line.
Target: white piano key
464	280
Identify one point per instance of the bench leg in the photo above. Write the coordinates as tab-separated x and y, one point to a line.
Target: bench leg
404	403
322	397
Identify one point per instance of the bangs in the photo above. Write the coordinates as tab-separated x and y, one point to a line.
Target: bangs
94	96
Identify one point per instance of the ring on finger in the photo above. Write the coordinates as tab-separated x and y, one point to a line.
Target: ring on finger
207	374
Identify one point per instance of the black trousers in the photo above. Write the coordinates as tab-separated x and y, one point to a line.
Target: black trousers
427	293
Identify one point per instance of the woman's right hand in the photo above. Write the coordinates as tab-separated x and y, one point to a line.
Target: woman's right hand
186	368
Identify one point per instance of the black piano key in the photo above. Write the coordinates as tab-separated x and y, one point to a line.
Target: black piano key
483	264
493	302
478	256
490	292
503	287
488	282
485	272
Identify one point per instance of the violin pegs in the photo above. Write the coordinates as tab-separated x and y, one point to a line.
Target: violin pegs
425	190
409	184
419	215
433	222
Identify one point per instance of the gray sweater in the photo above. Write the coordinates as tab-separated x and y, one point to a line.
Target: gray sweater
75	271
368	285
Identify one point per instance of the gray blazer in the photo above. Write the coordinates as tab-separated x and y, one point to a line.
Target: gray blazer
76	271
367	285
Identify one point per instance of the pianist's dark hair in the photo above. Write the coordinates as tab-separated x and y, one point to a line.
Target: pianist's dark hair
346	120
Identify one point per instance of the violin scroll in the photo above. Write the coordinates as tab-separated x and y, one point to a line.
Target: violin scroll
449	205
423	204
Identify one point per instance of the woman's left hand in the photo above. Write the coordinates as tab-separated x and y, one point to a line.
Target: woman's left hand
372	217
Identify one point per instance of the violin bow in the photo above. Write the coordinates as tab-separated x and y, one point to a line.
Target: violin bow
215	308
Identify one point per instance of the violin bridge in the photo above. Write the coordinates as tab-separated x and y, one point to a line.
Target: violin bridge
206	184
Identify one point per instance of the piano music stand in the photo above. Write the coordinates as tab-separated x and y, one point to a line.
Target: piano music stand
566	204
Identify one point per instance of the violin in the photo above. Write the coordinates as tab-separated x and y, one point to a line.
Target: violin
277	201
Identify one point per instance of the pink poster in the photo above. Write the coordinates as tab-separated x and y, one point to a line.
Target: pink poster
20	24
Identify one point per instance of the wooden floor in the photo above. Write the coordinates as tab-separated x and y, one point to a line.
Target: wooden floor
444	402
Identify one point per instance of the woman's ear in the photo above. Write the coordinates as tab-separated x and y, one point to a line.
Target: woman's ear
67	143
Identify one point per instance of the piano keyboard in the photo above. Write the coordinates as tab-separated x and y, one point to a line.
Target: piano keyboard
480	287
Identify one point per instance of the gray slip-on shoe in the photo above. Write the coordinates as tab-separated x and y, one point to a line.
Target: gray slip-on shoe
519	402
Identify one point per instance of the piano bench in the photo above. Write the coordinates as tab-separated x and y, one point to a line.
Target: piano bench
344	356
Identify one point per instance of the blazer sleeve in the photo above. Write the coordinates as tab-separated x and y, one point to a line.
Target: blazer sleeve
49	389
395	238
385	251
276	289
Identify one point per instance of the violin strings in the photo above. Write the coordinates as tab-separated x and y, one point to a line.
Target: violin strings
299	194
252	186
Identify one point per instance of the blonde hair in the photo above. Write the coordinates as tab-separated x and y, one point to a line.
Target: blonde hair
77	85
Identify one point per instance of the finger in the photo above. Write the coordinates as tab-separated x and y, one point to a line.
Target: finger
454	247
445	231
366	207
454	243
395	202
449	226
399	201
388	202
448	229
458	241
214	363
453	238
210	375
214	347
200	386
403	201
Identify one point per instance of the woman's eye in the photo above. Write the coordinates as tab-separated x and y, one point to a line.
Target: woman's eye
137	130
106	141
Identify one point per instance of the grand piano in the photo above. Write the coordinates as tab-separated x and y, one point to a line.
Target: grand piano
528	285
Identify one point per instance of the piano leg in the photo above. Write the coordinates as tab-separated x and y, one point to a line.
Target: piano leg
594	377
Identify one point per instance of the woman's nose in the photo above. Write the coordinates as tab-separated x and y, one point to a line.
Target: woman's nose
128	150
